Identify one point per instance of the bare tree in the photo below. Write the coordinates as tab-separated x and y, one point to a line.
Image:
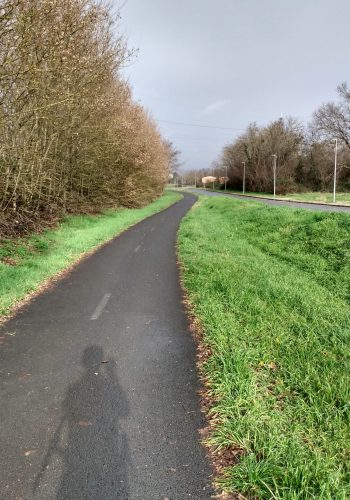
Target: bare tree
71	137
332	120
255	148
175	162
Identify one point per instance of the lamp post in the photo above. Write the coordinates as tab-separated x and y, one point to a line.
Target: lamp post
274	174
225	177
243	163
335	169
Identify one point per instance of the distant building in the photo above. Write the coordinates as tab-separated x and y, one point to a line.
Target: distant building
208	179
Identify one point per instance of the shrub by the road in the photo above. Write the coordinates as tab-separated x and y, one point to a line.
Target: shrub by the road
72	137
271	287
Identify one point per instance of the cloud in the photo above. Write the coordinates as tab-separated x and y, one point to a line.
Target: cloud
213	107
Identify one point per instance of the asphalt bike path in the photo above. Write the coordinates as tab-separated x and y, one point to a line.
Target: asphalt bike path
98	383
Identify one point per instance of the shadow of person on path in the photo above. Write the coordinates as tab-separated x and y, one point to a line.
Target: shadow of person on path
93	449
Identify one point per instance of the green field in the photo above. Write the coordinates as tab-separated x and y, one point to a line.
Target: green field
271	288
28	262
341	198
316	196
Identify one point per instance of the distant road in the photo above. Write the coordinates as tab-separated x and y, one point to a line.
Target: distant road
294	204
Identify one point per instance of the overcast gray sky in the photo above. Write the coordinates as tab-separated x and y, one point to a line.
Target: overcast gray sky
227	63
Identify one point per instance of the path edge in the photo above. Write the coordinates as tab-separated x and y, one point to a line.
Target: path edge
51	281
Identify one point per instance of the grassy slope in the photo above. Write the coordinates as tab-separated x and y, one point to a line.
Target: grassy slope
42	256
271	287
316	196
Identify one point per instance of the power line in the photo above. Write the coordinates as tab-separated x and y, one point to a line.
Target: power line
192	137
198	125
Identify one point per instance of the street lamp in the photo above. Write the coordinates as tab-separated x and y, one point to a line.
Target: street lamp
335	169
243	163
274	174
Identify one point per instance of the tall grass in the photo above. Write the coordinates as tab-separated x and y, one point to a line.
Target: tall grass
27	262
271	289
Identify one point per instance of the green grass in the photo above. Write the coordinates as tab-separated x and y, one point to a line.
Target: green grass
271	287
28	262
315	196
342	198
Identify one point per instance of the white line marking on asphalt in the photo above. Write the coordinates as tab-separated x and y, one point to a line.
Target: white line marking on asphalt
102	304
137	248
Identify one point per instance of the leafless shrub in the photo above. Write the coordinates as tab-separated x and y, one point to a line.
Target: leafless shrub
305	158
71	137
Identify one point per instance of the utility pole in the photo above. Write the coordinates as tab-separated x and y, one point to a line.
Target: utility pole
335	169
195	179
274	174
225	177
243	162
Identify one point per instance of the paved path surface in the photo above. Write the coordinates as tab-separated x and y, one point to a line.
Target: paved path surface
309	206
98	381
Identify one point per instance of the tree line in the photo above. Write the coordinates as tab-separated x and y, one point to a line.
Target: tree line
305	154
71	137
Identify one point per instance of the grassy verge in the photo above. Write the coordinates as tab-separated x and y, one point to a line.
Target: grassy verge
28	262
271	288
316	197
341	198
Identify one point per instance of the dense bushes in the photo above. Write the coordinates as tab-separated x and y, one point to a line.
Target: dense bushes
71	136
305	156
